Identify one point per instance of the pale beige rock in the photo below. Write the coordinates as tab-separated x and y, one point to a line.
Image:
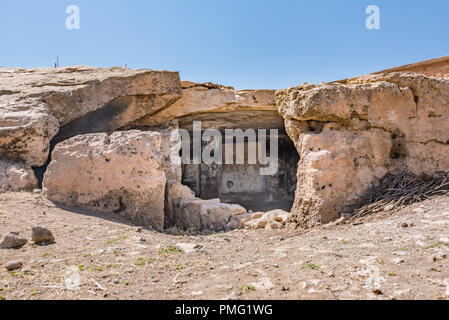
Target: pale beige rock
41	234
119	173
26	129
209	99
12	240
216	216
236	221
350	134
170	138
190	217
175	195
274	219
35	103
16	176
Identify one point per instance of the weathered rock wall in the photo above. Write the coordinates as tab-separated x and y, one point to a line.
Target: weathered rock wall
204	101
351	134
36	105
121	173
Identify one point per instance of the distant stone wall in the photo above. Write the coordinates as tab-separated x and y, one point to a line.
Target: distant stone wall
438	67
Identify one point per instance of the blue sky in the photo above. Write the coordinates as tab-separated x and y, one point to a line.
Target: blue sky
243	43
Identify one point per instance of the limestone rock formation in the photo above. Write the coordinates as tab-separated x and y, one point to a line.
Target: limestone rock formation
36	103
189	216
119	173
350	134
26	128
274	219
218	106
16	176
176	194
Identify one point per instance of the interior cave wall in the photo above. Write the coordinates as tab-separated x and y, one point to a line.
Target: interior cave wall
243	184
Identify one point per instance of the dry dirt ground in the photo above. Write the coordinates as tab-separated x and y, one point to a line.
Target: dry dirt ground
393	255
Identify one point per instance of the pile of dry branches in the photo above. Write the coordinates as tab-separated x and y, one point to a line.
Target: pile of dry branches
403	189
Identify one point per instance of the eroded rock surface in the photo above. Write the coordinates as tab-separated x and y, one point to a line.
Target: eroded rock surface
119	173
274	219
16	176
12	240
36	103
352	133
204	101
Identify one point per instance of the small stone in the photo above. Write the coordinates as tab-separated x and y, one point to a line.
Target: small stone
12	240
41	234
115	281
377	292
397	260
189	247
13	265
440	255
139	229
401	293
405	225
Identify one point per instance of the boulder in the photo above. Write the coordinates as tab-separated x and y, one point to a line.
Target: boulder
120	173
40	234
190	217
16	176
236	222
26	129
37	103
13	265
350	134
215	217
176	194
12	240
274	219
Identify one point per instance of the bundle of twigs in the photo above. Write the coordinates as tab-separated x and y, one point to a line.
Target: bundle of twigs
402	189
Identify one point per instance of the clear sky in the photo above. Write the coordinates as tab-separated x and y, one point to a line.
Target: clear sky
243	43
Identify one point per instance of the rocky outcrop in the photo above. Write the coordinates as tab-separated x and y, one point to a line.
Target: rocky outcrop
218	106
37	103
350	134
16	176
120	173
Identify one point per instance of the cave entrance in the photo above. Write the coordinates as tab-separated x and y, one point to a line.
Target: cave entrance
242	183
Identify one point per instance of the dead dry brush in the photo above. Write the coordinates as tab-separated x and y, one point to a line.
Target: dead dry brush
396	191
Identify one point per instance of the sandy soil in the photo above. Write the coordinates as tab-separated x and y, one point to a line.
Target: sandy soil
394	255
